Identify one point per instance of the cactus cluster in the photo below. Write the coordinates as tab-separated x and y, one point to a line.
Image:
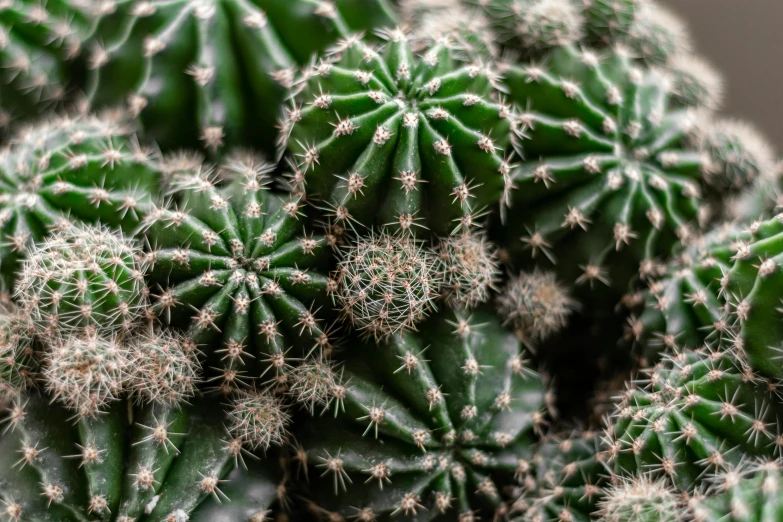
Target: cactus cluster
328	259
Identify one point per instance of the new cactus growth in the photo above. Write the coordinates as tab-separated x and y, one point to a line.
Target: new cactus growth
535	305
386	283
695	413
214	72
158	463
235	267
428	425
468	268
641	499
695	83
657	35
87	168
608	181
17	364
565	480
748	493
399	139
83	276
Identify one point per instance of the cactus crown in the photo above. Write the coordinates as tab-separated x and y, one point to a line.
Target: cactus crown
17	364
640	499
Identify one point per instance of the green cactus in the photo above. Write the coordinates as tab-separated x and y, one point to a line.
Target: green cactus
386	284
38	42
430	426
641	499
83	276
751	288
214	72
468	269
401	140
747	493
608	182
565	480
235	267
657	35
143	463
695	83
87	168
17	363
698	411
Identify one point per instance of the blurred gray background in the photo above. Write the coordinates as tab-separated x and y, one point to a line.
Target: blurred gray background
743	39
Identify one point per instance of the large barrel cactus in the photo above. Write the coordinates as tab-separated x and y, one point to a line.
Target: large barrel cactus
214	72
428	426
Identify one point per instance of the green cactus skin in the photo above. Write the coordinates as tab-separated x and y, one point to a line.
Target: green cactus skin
448	429
684	306
641	499
752	290
746	493
83	277
38	42
87	168
214	72
234	263
697	412
399	139
565	480
141	463
607	182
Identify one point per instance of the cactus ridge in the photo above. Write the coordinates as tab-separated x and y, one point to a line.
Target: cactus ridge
697	412
82	168
443	436
385	137
606	165
235	268
202	66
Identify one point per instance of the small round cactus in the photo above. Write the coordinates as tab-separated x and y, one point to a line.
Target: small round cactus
565	479
641	499
696	412
147	463
83	277
17	363
536	305
258	419
236	269
609	182
87	168
545	24
436	422
657	34
214	72
398	139
608	21
695	83
386	283
468	268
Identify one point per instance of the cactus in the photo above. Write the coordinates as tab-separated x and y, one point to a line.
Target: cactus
87	168
83	276
657	35
214	72
394	139
641	499
698	411
748	493
236	269
144	463
695	83
427	425
17	364
468	269
536	305
565	479
38	42
385	284
608	183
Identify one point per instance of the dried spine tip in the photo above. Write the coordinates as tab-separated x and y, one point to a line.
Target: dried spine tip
536	305
258	419
86	372
83	276
164	367
640	499
387	283
468	269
